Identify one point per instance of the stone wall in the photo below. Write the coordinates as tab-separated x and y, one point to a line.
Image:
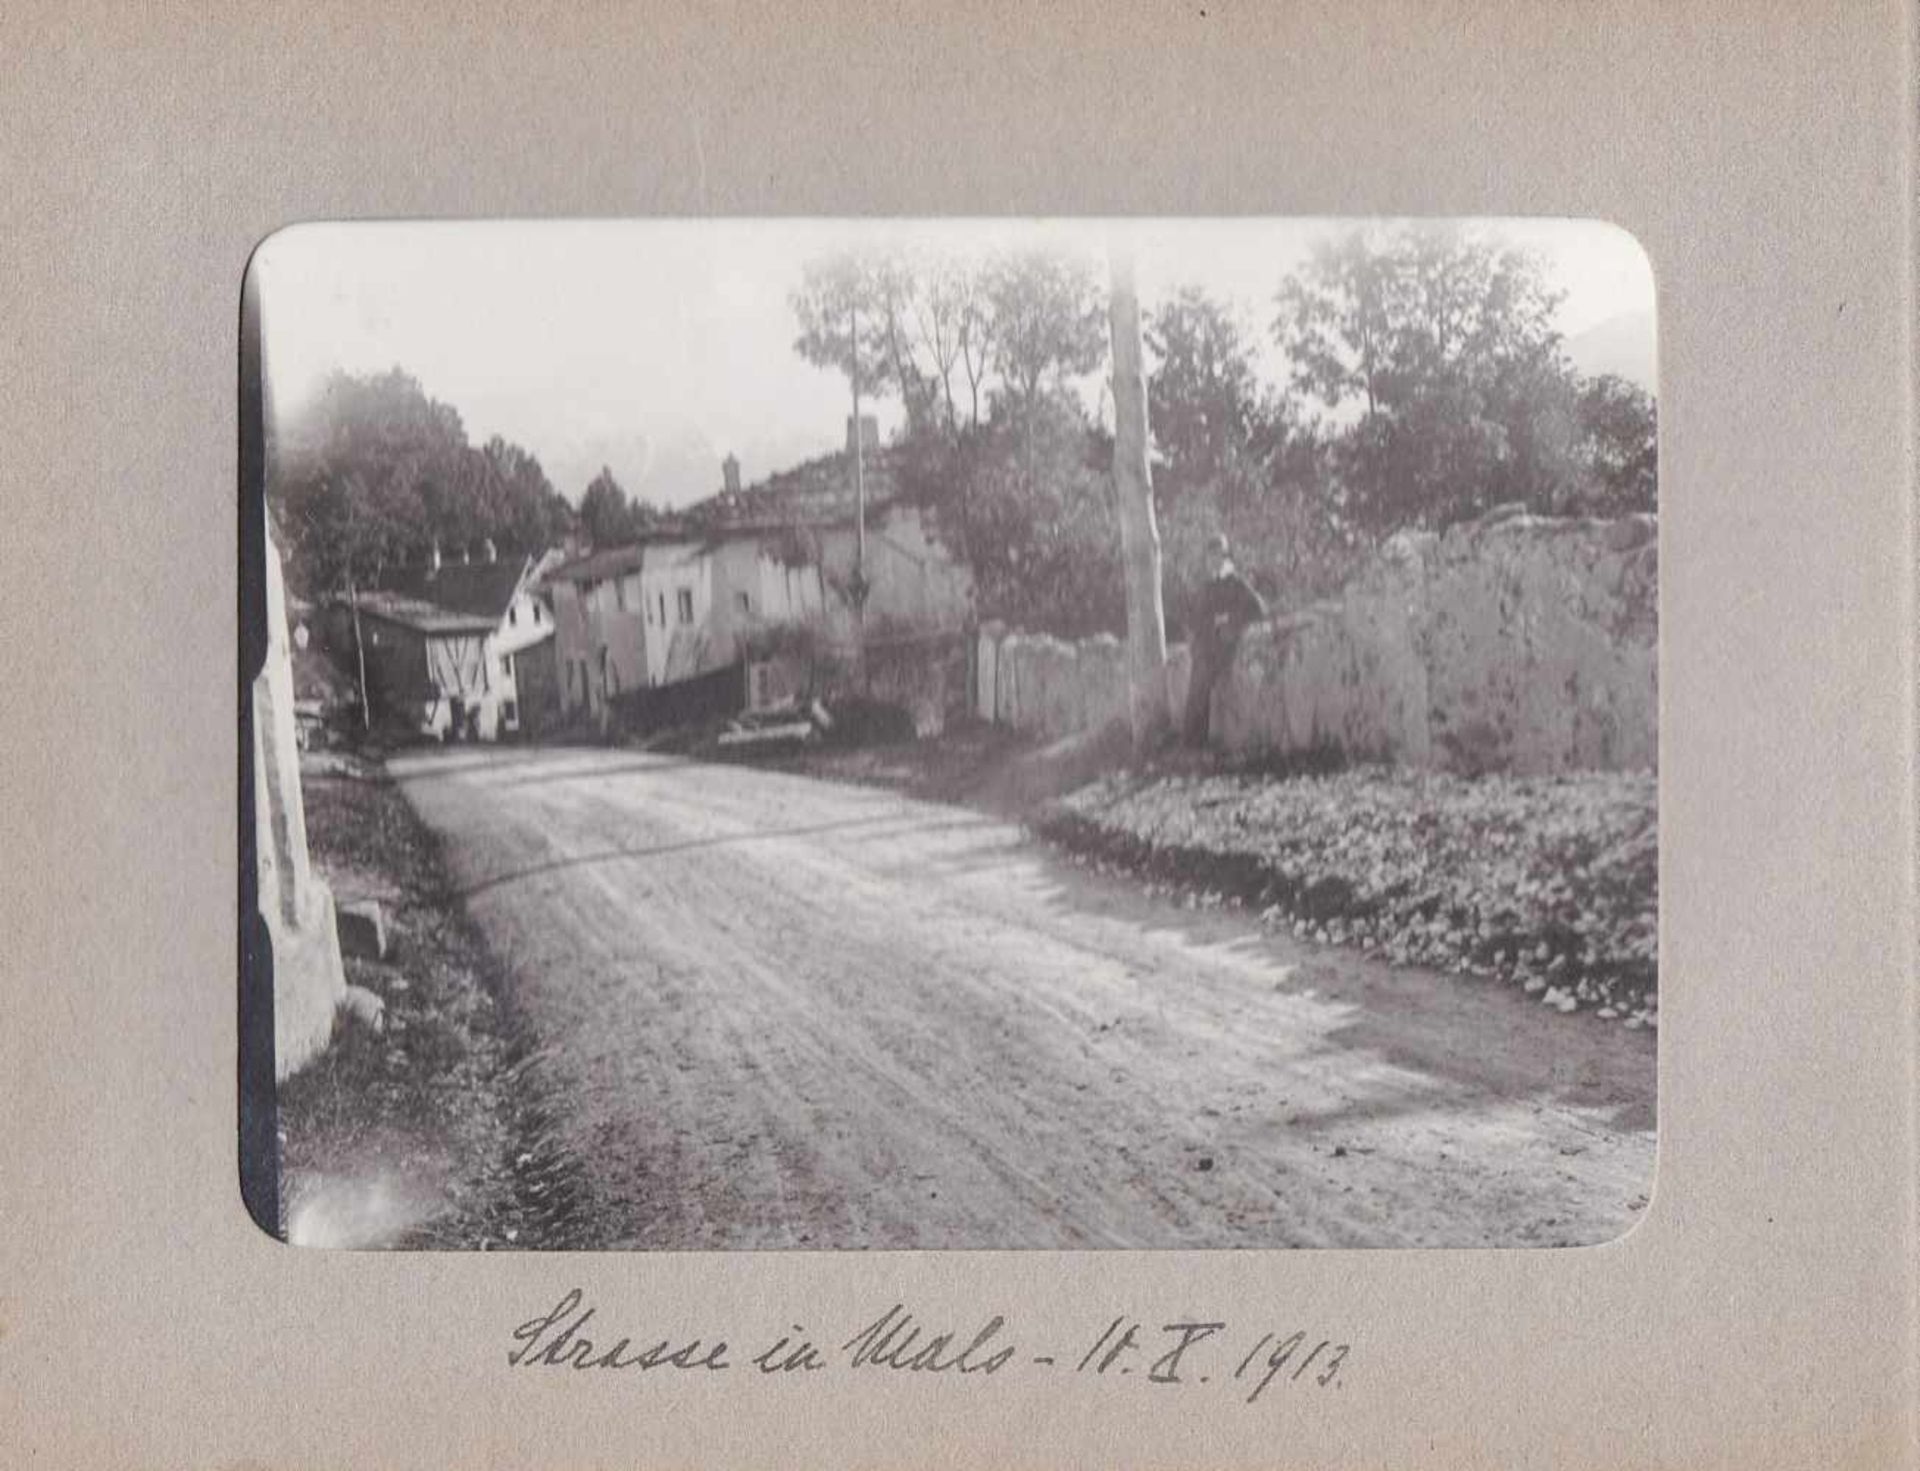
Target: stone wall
1511	643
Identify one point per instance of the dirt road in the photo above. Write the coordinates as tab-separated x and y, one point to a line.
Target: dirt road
770	1011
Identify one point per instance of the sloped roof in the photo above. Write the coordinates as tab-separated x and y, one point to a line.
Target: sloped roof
483	589
817	492
421	616
601	562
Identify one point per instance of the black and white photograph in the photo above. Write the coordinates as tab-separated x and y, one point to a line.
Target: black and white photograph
952	734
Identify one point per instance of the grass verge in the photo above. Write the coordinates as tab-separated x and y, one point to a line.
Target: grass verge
401	1137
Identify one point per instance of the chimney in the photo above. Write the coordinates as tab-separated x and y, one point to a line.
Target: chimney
489	551
869	433
730	474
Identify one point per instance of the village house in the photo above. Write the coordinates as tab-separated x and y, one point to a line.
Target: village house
788	546
598	628
677	577
460	651
646	614
686	599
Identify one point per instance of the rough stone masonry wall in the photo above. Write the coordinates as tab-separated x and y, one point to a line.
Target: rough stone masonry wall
1512	643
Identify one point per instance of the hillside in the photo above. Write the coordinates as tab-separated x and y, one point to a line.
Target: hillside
1624	345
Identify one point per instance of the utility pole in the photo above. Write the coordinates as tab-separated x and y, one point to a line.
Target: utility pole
857	587
1148	703
359	654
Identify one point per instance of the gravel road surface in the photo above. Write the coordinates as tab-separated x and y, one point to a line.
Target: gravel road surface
763	1010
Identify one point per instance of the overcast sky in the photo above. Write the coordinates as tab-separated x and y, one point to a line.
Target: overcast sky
658	347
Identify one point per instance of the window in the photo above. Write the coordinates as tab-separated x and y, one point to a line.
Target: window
663	610
536	615
746	603
513	615
620	593
685	596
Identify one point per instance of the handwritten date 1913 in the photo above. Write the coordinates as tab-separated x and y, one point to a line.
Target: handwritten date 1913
1174	1346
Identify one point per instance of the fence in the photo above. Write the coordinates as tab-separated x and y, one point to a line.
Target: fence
711	696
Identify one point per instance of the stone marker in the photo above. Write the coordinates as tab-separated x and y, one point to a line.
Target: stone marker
309	981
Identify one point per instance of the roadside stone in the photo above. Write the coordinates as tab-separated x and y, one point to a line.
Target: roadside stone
362	926
363	1006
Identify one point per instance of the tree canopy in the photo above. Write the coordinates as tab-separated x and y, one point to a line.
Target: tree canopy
1437	349
373	472
1049	322
1424	381
1206	407
608	517
915	326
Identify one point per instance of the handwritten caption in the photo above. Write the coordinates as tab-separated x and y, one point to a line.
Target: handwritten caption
1251	1362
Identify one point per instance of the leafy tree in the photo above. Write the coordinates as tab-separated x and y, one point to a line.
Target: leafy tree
1028	506
975	312
897	287
522	508
1436	349
898	320
941	307
609	517
1237	463
1291	537
1617	425
605	515
909	323
1204	401
365	475
842	307
1049	321
373	472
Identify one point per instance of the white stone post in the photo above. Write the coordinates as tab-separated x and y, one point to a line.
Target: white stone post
309	982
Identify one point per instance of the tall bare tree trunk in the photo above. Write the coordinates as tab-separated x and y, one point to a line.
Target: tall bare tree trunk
859	583
1148	706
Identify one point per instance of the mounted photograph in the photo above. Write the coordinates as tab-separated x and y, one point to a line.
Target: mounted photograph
949	734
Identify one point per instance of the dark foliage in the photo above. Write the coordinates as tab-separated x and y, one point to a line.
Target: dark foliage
1026	501
374	472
